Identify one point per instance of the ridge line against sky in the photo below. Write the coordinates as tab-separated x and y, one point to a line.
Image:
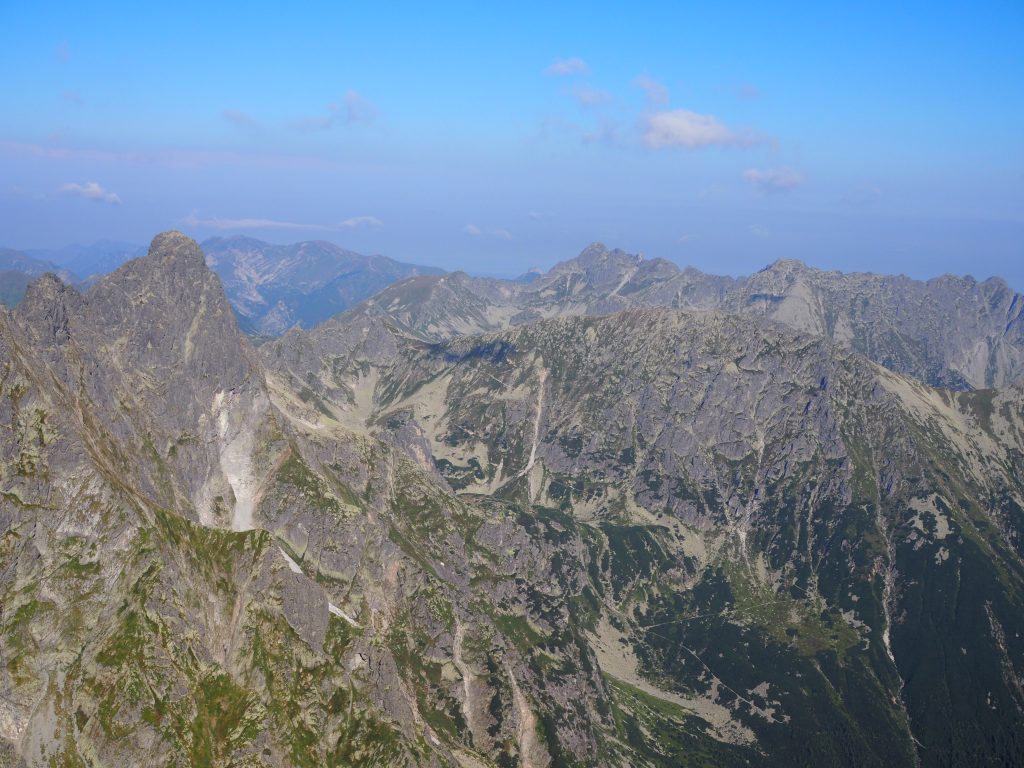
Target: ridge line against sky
870	138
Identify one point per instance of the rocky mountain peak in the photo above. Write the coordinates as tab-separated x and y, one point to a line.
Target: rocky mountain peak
46	289
173	309
165	311
46	307
597	254
592	253
273	287
172	248
787	267
596	267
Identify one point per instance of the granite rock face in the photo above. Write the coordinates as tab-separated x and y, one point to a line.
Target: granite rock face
595	535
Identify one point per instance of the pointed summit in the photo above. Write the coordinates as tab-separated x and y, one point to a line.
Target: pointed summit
165	311
155	351
47	307
171	310
173	247
787	267
592	254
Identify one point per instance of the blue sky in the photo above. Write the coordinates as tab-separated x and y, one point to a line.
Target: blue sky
494	137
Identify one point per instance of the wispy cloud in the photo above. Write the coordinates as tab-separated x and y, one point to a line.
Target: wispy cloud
564	67
193	220
587	96
353	108
63	52
174	158
239	118
357	222
688	238
91	191
656	92
690	130
770	181
73	96
475	231
357	109
759	231
21	193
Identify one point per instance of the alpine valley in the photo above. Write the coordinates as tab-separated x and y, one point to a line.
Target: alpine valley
615	514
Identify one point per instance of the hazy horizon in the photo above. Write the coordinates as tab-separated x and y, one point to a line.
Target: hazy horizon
543	265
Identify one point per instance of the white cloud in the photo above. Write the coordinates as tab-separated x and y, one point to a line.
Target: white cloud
758	231
360	221
353	108
91	191
683	128
563	67
472	229
688	238
504	234
656	92
770	181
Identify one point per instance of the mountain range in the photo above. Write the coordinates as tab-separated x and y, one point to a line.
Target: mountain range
276	287
271	287
949	331
618	514
17	270
90	261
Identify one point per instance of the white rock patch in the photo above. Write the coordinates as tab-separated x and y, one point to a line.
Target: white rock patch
332	608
